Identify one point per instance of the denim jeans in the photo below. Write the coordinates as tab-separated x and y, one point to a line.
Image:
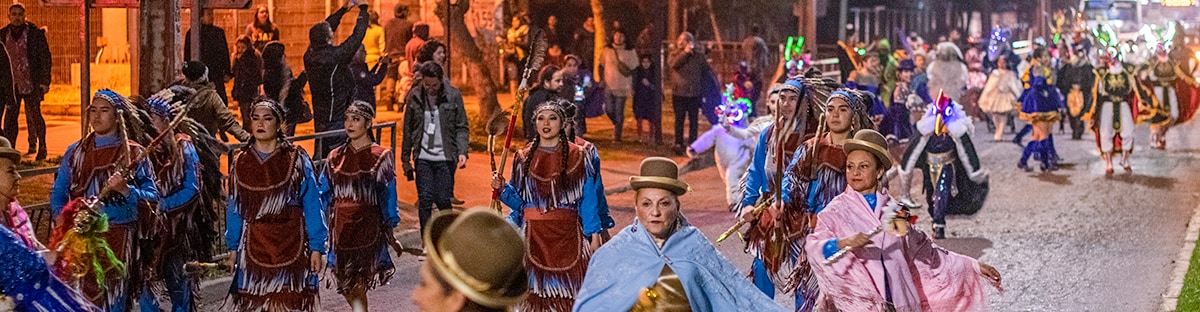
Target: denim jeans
35	122
614	107
435	186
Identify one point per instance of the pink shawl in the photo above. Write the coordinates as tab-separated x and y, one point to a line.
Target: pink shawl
922	276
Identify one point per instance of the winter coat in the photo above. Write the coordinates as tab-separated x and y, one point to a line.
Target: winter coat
39	53
328	67
453	118
208	109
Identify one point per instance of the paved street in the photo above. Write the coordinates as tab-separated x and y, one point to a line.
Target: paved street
1074	240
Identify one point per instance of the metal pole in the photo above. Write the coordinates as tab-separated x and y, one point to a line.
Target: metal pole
85	70
842	11
197	12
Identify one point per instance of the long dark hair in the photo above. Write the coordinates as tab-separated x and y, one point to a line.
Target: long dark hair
267	26
563	140
546	73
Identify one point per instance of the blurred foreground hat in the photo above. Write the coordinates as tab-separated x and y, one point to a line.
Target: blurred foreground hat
479	255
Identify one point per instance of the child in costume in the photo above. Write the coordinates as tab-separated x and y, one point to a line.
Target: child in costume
359	187
275	220
732	153
901	270
95	163
556	197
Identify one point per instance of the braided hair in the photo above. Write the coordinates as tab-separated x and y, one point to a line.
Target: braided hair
565	112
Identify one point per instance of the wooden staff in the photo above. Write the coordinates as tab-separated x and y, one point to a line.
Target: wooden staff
538	47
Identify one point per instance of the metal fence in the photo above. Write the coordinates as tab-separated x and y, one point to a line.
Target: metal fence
39	214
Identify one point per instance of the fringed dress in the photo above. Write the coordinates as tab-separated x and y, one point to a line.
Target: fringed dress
274	221
359	186
770	246
814	176
178	181
83	172
559	211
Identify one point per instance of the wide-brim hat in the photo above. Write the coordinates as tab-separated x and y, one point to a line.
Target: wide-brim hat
479	255
7	150
872	142
659	173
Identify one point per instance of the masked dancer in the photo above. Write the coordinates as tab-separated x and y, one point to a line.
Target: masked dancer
1116	91
275	220
954	183
556	197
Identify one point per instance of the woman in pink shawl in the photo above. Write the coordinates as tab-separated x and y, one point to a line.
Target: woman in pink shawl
886	272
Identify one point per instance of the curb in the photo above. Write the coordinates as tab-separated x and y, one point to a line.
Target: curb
1182	261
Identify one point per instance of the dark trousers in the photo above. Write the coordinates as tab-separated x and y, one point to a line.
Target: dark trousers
35	122
435	186
686	106
10	113
1077	127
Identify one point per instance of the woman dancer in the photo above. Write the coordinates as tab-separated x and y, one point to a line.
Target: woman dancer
359	186
1000	94
556	195
275	221
1039	106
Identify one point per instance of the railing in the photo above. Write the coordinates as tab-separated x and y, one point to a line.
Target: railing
39	213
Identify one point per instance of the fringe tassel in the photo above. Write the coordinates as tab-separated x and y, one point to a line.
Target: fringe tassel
545	284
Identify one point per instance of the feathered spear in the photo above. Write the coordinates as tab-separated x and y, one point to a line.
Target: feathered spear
538	49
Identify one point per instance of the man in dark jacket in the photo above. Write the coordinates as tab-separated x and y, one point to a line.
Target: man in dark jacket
435	136
29	55
328	68
214	52
397	32
207	108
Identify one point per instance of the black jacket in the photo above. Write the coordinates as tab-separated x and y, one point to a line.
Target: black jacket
39	53
328	68
214	51
453	117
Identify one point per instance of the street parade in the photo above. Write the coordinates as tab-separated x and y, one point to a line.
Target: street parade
854	155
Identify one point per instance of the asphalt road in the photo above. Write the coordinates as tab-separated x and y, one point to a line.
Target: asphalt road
1073	240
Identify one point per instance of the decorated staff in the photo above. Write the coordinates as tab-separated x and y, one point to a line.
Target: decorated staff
100	190
494	127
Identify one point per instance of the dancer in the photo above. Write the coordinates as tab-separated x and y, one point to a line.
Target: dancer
359	188
275	220
902	270
1161	73
94	163
177	170
911	91
662	263
12	216
1074	81
947	73
556	197
1113	113
1039	106
797	116
954	182
999	98
731	152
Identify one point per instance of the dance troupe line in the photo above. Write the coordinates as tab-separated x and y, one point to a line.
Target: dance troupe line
820	181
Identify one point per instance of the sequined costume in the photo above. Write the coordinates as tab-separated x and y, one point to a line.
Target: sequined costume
954	182
1113	115
178	180
83	172
359	186
275	219
1172	93
557	197
26	279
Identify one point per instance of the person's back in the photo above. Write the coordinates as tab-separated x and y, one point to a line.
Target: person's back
420	33
397	32
328	65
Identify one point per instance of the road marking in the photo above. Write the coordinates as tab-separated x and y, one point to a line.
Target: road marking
1182	260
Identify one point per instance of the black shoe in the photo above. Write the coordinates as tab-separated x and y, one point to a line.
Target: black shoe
679	150
1017	141
939	231
456	201
31	151
41	155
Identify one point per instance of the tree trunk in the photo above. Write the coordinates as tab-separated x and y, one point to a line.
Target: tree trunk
464	45
159	60
600	24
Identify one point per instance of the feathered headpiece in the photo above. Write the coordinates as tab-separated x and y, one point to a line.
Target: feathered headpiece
168	102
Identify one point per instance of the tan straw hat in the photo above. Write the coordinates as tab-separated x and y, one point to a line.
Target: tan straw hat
661	173
872	142
479	255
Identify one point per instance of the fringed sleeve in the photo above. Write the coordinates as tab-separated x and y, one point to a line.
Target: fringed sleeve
314	207
142	188
386	172
509	195
233	220
755	175
59	192
190	182
591	213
